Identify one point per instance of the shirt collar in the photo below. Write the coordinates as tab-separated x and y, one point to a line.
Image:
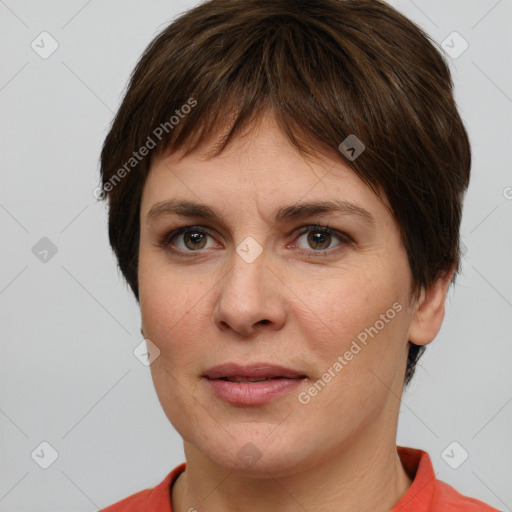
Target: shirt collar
418	465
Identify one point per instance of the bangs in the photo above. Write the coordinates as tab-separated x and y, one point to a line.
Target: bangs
283	69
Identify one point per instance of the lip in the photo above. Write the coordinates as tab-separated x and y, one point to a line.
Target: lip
248	393
252	370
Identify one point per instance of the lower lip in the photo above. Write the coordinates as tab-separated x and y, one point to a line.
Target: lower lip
252	393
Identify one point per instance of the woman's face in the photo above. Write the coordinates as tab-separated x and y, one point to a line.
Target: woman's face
259	285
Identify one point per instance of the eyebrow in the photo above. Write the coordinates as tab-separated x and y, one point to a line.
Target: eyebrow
186	208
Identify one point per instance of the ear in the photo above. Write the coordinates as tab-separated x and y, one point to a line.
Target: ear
429	311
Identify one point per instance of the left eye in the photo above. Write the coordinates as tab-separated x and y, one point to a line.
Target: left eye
320	238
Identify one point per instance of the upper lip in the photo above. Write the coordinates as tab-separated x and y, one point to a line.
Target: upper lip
253	370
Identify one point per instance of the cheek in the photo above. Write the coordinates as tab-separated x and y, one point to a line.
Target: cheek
170	306
361	358
361	314
170	312
343	302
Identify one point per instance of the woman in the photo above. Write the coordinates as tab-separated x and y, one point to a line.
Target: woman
285	184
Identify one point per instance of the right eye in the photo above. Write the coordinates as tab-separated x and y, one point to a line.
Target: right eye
187	239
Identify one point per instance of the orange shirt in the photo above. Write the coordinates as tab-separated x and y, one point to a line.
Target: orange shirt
426	494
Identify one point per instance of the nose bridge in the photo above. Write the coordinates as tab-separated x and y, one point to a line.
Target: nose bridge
246	281
249	259
248	293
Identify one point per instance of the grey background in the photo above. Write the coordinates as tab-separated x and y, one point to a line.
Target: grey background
68	375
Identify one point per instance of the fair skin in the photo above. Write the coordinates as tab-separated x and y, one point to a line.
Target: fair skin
300	304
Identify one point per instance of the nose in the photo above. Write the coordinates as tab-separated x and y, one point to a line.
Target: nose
250	298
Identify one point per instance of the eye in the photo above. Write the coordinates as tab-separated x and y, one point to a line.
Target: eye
321	238
187	239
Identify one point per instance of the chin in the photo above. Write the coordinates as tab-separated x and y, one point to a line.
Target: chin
256	454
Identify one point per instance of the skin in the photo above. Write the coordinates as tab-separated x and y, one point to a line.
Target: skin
291	306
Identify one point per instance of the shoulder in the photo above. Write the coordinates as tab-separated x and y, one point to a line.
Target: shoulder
157	499
134	503
427	493
448	499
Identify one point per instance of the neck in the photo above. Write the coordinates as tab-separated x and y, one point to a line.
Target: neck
360	477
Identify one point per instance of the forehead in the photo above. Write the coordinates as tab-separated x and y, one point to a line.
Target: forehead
262	169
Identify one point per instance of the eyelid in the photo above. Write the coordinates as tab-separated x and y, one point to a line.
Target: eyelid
321	227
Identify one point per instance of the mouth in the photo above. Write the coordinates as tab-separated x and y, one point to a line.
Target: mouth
254	372
252	385
253	379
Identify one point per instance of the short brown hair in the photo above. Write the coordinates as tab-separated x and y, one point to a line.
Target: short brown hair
326	69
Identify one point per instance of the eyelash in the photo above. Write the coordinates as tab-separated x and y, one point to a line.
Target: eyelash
345	240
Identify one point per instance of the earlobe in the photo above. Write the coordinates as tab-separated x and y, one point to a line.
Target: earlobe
429	311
